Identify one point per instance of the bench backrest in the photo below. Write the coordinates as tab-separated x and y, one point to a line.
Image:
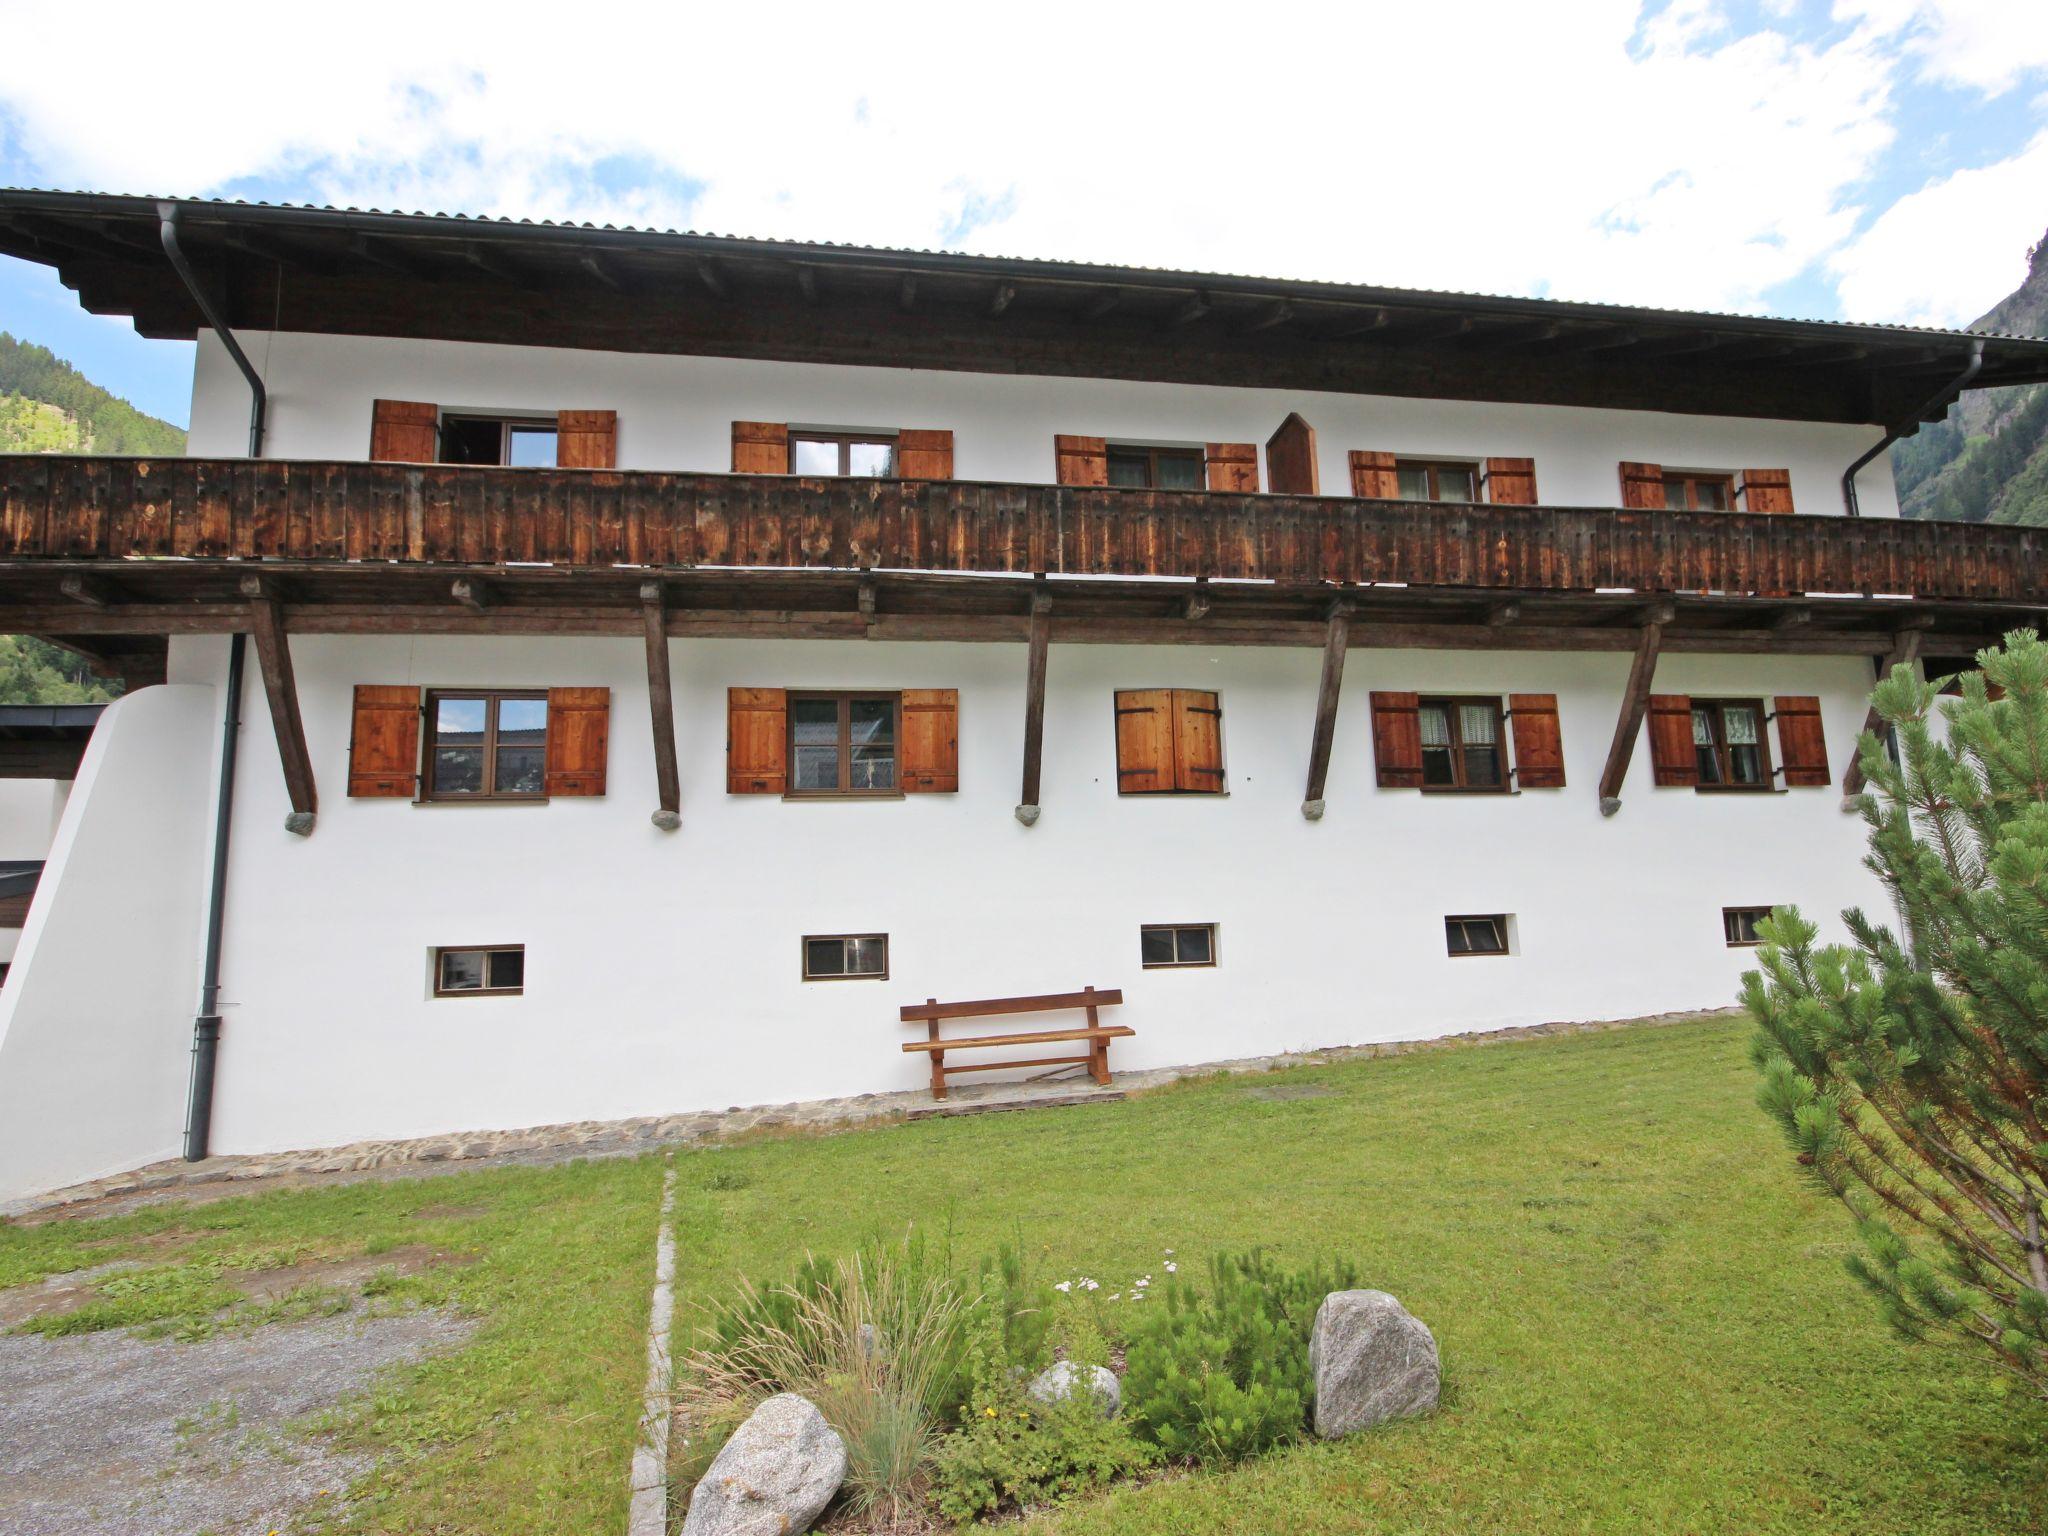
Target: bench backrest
932	1010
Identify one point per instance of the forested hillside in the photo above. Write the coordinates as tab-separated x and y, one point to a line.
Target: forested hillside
1989	459
48	406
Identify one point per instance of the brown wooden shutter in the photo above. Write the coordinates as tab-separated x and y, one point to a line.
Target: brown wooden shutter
1233	466
1144	741
1767	490
384	743
1642	485
760	448
1672	759
404	432
1197	741
1539	743
756	741
1397	740
930	761
924	455
1082	460
579	733
1511	482
1291	458
1373	477
1802	746
587	439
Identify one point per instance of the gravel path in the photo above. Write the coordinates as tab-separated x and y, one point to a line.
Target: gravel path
109	1435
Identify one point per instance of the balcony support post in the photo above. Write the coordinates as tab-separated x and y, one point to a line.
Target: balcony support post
661	701
1338	637
1904	652
1635	701
280	687
1034	705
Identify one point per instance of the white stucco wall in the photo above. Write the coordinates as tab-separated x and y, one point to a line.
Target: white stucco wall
662	969
29	812
677	413
96	1015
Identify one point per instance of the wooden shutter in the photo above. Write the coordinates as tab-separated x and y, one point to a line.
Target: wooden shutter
579	733
587	439
1197	741
756	741
1539	743
384	743
404	432
1642	485
1802	746
1144	741
930	759
1397	740
1373	477
1082	460
1511	482
1232	466
924	455
1672	760
760	448
1767	490
1291	458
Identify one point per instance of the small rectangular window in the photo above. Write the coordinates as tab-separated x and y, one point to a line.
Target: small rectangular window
1477	935
844	743
842	453
1461	744
846	957
499	970
489	744
1738	925
528	442
1436	480
1728	744
1699	493
1164	946
1157	469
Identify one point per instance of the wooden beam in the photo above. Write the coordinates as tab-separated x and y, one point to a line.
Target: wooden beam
807	283
1904	652
1791	619
1196	607
712	276
377	253
1635	702
1102	303
1325	733
661	701
1034	705
1358	325
865	601
1279	312
1190	310
1500	615
1004	296
89	590
274	656
601	269
498	265
473	592
906	293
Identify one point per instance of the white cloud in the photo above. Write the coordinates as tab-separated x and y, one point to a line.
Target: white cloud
1982	45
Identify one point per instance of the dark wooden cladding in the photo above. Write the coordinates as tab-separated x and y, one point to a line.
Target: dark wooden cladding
64	507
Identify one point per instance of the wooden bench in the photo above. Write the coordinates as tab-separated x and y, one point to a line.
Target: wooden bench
1097	1034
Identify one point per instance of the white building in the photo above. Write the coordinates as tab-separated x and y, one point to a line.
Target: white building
654	757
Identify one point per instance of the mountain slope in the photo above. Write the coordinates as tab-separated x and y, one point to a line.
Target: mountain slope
48	406
1988	461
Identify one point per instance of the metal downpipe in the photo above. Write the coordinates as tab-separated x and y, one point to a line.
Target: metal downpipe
206	1027
259	399
1937	401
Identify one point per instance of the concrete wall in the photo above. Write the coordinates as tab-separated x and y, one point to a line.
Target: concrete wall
96	1015
663	969
677	413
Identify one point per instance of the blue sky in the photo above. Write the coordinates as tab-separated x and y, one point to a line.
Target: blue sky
1860	159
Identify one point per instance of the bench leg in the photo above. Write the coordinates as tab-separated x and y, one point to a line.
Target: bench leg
938	1074
1098	1061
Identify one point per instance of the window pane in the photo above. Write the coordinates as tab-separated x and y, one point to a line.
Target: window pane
1482	767
1746	765
467	440
462	970
1675	491
1131	469
1435	721
1710	495
1414	483
1485	936
1703	727
873	726
867	956
813	458
1455	936
871	458
522	722
1437	767
459	722
458	770
1180	472
1741	722
1478	725
521	770
508	967
814	725
1155	946
534	446
824	957
1454	484
1191	946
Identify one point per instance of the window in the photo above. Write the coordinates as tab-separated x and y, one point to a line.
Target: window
1157	469
1476	935
1738	925
1461	744
843	743
1164	946
1699	493
847	957
1169	741
1728	744
1436	480
841	453
499	970
486	745
498	440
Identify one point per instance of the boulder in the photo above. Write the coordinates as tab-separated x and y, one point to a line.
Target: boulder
1061	1380
1371	1361
774	1477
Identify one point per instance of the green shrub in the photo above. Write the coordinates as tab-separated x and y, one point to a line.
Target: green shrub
1220	1377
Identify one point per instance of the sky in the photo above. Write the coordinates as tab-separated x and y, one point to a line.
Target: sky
1881	160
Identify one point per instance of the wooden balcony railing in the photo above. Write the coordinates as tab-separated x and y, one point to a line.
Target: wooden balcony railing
80	508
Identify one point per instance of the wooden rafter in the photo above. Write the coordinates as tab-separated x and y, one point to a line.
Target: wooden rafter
280	688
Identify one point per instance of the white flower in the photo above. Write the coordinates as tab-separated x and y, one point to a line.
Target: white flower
1169	1253
1116	1295
1144	1282
1172	1269
1090	1285
1064	1285
1137	1295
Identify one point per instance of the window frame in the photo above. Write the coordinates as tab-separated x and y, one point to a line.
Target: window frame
1692	480
845	698
1498	921
1432	468
1766	768
804	944
844	441
429	729
505	425
1452	702
1152	455
486	950
1177	964
1729	916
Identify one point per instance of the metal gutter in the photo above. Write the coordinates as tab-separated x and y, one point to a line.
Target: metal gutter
167	225
1938	401
206	1027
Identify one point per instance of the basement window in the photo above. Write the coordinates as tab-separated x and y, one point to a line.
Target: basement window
1738	926
499	970
1461	745
518	441
1728	744
1176	946
1157	469
486	745
846	957
1476	935
842	453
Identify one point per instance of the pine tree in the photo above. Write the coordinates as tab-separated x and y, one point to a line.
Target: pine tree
1906	1069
